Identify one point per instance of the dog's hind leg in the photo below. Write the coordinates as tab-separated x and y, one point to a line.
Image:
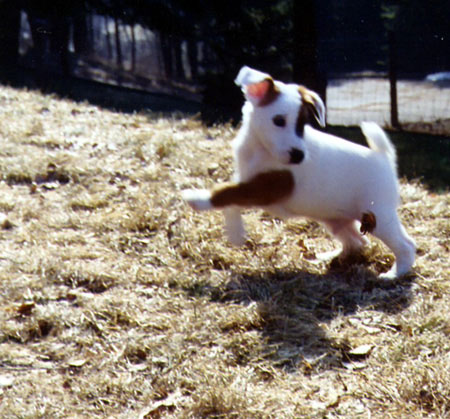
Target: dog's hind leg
390	230
346	231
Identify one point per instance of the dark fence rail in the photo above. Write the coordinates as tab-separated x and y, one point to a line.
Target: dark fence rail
118	52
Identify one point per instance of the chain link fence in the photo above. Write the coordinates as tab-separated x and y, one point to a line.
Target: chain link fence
422	105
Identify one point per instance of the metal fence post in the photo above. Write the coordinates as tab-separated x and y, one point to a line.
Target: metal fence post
393	78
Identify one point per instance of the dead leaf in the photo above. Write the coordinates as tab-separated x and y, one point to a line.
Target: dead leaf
334	401
361	351
158	408
212	168
49	186
372	330
6	381
5	224
77	363
355	365
25	309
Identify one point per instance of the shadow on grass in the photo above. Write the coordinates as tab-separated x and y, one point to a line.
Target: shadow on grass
294	306
107	96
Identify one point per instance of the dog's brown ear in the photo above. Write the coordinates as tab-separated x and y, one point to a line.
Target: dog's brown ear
262	93
312	110
258	87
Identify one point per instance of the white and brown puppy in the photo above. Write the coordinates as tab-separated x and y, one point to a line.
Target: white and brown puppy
291	169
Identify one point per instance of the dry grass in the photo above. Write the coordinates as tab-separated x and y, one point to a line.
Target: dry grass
118	301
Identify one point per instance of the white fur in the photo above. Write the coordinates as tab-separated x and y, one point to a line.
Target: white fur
198	199
249	76
234	226
336	182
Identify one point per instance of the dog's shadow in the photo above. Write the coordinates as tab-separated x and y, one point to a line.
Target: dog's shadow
296	308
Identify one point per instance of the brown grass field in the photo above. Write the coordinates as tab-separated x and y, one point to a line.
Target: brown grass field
118	301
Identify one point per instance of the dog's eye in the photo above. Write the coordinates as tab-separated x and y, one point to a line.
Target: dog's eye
279	120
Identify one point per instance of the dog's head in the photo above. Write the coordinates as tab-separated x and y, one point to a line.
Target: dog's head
278	113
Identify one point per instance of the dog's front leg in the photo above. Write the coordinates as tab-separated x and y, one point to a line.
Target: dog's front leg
261	190
202	199
234	226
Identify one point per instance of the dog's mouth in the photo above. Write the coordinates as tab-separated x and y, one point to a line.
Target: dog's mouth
296	156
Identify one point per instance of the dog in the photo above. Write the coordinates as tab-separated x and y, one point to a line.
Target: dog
289	168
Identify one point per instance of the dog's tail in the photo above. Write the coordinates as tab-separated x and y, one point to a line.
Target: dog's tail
378	141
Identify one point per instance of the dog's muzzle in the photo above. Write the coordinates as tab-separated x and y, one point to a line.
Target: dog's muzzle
296	156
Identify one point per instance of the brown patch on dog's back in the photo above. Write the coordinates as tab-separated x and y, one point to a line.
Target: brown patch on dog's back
263	189
368	222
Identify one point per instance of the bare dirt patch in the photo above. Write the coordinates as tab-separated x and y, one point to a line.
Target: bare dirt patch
118	301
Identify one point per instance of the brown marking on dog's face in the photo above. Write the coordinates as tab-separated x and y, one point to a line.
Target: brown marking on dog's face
266	91
263	189
368	222
308	113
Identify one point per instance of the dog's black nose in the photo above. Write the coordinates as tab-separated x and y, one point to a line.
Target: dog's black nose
296	156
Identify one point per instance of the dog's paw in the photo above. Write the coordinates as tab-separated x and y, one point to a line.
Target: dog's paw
198	199
387	276
237	238
397	271
329	256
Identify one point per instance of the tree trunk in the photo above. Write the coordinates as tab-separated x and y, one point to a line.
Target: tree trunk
119	59
305	60
59	43
166	49
81	35
133	48
393	78
193	58
108	39
178	52
9	33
